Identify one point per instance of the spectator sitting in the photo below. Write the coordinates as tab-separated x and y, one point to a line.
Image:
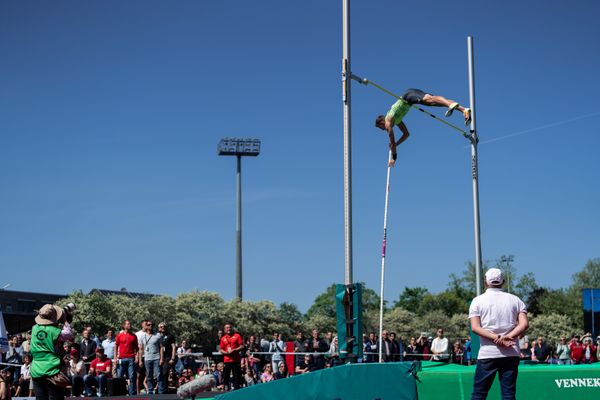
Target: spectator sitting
219	378
281	372
25	388
186	376
172	382
5	383
249	377
76	372
307	365
100	371
267	375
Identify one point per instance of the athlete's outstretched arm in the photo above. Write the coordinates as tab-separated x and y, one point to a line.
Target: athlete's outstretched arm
389	127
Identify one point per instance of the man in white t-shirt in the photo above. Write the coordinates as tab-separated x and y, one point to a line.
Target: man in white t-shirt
439	347
498	318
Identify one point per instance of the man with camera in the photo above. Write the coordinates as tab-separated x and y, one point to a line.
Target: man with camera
47	370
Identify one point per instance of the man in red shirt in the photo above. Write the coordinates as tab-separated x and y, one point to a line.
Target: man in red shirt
576	350
126	355
230	346
100	370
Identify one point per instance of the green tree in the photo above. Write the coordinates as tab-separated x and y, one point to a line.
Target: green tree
465	285
430	321
526	287
589	276
199	316
551	327
289	315
400	321
410	299
323	310
562	301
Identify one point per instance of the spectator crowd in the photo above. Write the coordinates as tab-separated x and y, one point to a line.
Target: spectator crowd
152	360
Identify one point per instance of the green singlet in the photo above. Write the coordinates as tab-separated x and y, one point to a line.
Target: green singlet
44	361
398	111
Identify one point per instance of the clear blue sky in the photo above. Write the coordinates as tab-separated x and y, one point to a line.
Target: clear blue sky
112	111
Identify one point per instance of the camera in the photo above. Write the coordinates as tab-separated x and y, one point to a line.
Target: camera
69	308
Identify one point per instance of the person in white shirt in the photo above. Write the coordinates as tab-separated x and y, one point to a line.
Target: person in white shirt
439	347
498	318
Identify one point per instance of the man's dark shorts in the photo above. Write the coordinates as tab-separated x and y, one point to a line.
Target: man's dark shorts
414	96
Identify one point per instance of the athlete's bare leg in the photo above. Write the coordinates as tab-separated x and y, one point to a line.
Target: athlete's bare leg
440	101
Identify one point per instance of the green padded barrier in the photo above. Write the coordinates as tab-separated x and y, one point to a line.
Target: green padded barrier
540	382
389	381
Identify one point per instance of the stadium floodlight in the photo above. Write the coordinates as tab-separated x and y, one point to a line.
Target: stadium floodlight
239	148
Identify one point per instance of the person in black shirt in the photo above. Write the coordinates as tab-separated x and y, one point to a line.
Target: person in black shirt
167	356
307	365
87	348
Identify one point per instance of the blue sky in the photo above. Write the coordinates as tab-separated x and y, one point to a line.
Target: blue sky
112	111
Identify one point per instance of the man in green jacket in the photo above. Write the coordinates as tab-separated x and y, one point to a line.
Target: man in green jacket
46	340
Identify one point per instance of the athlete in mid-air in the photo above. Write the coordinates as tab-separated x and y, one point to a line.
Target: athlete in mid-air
400	108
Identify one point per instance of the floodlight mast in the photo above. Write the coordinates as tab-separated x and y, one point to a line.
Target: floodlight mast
239	147
474	166
346	84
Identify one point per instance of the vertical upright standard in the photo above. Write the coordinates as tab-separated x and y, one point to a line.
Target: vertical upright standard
474	166
239	148
238	230
346	83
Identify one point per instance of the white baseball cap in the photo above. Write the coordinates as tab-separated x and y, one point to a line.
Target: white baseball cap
493	276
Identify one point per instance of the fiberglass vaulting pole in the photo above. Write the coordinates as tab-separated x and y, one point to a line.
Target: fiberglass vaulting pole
383	250
474	166
346	83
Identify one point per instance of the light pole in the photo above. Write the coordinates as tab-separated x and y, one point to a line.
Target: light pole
239	147
506	262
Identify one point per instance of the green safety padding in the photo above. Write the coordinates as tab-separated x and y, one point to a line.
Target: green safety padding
539	382
388	381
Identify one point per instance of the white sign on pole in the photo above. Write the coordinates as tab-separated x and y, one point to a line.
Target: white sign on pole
3	335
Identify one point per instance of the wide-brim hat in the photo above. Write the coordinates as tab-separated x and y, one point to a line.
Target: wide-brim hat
49	315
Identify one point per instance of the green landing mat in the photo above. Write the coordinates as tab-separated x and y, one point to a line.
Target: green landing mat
434	381
449	381
391	381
